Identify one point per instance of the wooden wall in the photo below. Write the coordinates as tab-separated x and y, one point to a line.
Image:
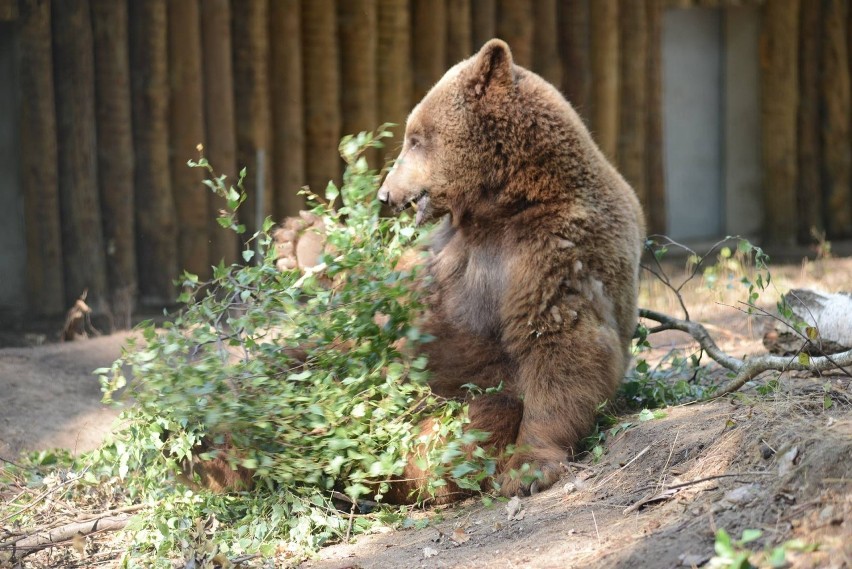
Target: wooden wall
118	93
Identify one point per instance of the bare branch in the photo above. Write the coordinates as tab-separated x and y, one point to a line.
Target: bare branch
751	367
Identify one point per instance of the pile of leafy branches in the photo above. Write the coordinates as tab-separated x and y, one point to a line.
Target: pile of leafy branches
337	421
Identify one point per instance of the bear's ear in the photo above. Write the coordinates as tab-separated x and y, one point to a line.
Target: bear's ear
492	69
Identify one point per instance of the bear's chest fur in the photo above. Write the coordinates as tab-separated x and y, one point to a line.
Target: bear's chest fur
469	282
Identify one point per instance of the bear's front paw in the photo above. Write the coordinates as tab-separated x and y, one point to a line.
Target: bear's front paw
526	477
299	241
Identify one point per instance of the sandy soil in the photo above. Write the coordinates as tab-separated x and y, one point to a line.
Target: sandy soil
780	463
50	398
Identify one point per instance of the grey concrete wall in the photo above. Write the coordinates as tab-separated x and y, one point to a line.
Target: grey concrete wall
13	251
743	170
711	104
692	114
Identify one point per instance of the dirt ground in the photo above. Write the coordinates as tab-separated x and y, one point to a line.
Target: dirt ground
780	463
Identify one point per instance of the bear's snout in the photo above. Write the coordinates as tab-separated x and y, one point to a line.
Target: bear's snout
384	195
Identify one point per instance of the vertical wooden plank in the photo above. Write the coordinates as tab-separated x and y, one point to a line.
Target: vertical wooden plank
428	47
633	96
320	68
655	211
156	221
459	31
575	47
394	64
837	151
74	77
779	101
515	27
9	10
546	60
656	186
288	127
39	180
605	66
187	132
809	189
115	153
219	122
358	42
483	22
252	111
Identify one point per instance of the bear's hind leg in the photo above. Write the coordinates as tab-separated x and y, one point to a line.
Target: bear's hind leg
562	380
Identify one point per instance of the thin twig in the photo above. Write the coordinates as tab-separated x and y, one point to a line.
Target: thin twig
751	367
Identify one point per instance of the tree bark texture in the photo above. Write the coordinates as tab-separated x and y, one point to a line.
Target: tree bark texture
809	191
837	151
459	31
74	76
429	44
358	42
253	112
39	179
605	57
574	43
321	74
546	60
219	122
633	96
156	220
115	154
656	184
288	127
394	66
515	27
779	101
484	21
187	132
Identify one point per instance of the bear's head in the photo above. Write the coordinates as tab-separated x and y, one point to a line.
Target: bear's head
459	140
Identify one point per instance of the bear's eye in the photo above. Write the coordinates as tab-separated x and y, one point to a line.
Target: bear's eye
414	142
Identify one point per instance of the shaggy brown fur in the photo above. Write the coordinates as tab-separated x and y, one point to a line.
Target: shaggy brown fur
533	267
535	264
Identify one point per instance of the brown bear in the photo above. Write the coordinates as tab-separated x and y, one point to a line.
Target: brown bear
534	264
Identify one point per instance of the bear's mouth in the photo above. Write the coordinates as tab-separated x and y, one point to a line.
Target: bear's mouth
421	204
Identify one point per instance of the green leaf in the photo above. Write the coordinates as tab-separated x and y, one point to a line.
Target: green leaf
804	359
248	255
750	535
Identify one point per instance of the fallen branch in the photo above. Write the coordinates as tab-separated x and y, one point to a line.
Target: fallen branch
22	545
750	367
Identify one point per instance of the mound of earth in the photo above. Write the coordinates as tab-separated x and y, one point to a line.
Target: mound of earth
779	464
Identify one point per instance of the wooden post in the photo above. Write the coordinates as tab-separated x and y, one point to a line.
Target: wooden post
321	73
39	180
809	189
459	32
604	50
156	220
546	60
187	132
633	95
288	128
574	43
394	65
428	49
483	22
779	100
515	26
115	154
219	122
82	234
655	211
837	152
358	43
253	112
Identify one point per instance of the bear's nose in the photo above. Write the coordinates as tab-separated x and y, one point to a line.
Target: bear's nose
384	195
